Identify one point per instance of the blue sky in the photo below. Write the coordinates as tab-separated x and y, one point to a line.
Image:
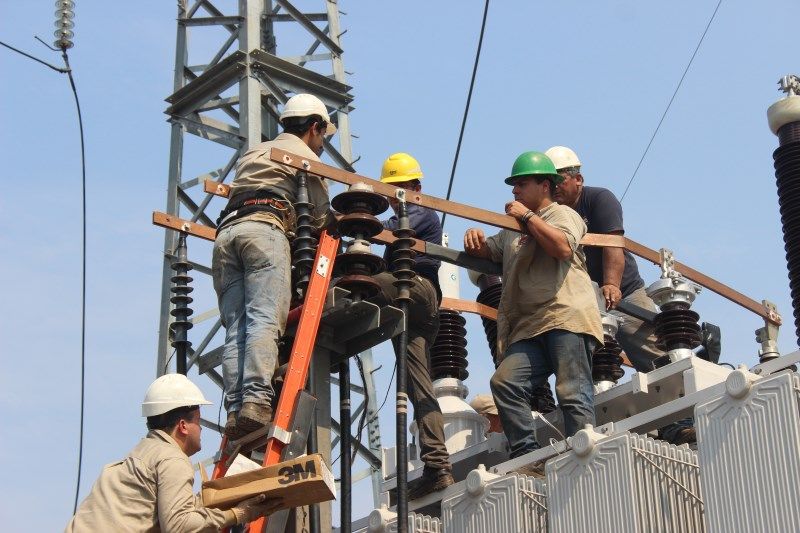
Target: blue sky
593	76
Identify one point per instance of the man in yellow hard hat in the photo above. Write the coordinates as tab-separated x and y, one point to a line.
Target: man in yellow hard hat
547	320
402	170
252	262
151	489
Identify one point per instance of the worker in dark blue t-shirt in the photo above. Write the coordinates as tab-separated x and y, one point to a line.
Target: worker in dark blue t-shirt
402	170
614	270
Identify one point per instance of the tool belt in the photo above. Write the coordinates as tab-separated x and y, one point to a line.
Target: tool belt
252	202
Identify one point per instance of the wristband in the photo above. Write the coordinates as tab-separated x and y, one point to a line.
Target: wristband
527	216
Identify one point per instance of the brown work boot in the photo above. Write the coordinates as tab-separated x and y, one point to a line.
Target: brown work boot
533	470
253	416
231	431
431	481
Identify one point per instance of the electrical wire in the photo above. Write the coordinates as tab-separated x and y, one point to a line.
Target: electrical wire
363	418
466	107
83	275
68	71
672	99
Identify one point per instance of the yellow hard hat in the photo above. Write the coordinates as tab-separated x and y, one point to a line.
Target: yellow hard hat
400	167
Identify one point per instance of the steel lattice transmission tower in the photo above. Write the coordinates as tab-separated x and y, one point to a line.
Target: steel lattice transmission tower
228	89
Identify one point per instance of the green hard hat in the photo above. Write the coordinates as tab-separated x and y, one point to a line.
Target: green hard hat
533	164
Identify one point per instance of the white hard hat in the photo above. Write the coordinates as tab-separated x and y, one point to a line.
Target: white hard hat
304	105
563	157
169	392
484	404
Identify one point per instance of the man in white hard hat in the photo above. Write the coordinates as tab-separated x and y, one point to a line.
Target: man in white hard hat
151	489
252	262
403	171
613	269
484	406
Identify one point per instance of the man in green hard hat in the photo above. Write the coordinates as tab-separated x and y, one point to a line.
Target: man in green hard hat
548	321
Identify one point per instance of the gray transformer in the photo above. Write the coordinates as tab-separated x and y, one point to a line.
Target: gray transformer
625	483
385	521
749	451
501	504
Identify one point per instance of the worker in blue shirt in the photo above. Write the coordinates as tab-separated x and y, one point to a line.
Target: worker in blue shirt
402	170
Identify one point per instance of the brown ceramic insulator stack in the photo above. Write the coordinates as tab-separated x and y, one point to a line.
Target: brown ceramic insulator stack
676	327
449	350
607	362
491	288
357	265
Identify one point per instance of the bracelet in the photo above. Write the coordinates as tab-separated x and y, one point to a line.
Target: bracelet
527	216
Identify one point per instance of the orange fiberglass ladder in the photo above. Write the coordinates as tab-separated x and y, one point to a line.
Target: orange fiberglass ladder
297	372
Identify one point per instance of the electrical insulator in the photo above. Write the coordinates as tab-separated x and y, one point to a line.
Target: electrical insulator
65	12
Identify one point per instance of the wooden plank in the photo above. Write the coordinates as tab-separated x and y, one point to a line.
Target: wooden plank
349	178
216	188
466	306
178	224
506	222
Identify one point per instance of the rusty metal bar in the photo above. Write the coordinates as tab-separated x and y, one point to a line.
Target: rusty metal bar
507	222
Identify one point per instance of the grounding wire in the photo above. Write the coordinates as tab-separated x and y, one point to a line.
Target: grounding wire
664	114
466	107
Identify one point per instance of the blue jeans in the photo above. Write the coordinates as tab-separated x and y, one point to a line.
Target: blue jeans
252	278
527	365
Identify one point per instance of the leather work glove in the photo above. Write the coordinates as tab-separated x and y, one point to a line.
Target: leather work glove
255	507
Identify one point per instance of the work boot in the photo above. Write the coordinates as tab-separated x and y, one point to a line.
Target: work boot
533	470
231	431
253	416
432	480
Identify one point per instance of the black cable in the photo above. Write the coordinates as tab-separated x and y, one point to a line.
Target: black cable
363	418
466	107
389	388
83	275
663	115
57	69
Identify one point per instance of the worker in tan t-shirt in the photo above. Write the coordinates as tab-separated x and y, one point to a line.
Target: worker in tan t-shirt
151	489
548	320
252	262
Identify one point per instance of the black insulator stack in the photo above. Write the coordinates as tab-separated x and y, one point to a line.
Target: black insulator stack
403	256
305	243
449	350
606	361
359	221
787	177
491	289
676	327
542	400
181	289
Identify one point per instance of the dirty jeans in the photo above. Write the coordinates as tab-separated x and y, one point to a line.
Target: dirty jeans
423	325
638	340
252	279
527	365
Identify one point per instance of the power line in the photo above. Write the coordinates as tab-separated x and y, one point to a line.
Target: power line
466	107
663	115
83	275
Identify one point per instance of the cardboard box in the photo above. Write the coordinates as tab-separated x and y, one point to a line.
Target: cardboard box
297	482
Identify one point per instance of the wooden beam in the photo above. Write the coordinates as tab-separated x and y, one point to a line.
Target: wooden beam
507	222
467	306
504	222
178	224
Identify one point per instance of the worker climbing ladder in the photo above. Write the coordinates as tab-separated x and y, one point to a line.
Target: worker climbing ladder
280	432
